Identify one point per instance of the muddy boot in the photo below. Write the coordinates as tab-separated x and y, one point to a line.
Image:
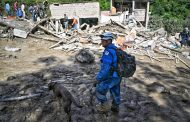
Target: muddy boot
103	108
115	108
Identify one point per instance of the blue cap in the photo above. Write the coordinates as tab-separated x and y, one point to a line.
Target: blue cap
107	36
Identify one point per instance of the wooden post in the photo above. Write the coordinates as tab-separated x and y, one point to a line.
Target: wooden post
111	4
56	26
147	14
133	7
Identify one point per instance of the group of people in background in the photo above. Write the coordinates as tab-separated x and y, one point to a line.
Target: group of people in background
34	10
19	11
185	37
66	23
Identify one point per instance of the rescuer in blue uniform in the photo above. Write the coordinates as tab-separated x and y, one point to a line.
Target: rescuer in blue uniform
107	79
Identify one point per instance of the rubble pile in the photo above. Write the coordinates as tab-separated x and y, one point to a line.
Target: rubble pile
25	97
135	40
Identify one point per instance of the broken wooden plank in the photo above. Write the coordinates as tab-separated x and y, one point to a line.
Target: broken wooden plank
52	24
48	31
149	55
171	49
173	56
165	58
55	45
44	38
36	25
152	57
119	24
20	98
183	62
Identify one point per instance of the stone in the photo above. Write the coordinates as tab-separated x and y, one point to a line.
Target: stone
84	56
2	108
20	33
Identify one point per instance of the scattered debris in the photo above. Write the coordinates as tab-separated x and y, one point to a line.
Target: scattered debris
20	98
11	49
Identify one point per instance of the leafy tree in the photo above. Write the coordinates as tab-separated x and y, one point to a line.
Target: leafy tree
175	13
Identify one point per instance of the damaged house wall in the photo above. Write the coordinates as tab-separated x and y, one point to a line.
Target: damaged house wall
138	8
77	10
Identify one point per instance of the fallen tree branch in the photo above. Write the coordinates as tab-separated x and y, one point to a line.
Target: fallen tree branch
20	98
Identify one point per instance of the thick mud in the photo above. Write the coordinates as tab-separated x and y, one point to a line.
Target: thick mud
158	92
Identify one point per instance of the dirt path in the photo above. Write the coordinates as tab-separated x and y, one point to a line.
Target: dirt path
158	92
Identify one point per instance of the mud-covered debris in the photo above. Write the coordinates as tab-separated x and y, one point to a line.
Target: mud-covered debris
156	87
11	49
84	56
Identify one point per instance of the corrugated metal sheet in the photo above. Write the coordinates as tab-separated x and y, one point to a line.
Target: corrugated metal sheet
79	10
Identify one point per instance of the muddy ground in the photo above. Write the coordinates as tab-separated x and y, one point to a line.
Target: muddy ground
158	92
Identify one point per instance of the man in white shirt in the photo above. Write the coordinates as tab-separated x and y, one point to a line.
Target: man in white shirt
23	10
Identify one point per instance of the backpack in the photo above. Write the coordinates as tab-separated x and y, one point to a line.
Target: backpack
19	12
126	64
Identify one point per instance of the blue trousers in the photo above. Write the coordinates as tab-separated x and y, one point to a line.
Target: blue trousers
66	26
112	85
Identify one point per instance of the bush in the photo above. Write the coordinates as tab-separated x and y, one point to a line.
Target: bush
155	22
173	26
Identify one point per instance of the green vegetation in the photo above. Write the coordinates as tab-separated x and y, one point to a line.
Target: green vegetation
173	14
104	4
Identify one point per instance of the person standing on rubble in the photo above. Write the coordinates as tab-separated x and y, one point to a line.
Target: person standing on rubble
185	37
45	6
8	9
66	22
1	11
75	23
35	13
16	6
23	10
107	79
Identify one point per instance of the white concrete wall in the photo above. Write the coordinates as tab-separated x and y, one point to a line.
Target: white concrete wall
80	10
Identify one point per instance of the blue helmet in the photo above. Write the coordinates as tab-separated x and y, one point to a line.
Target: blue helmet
107	36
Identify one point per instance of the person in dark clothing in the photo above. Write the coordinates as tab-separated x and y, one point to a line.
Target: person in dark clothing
66	22
107	79
185	37
1	12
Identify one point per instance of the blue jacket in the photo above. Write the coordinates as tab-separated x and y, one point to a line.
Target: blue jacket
108	60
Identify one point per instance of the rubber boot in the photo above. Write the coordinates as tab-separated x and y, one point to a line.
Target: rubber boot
115	108
103	108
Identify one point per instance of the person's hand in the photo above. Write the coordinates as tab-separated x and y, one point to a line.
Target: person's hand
95	83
